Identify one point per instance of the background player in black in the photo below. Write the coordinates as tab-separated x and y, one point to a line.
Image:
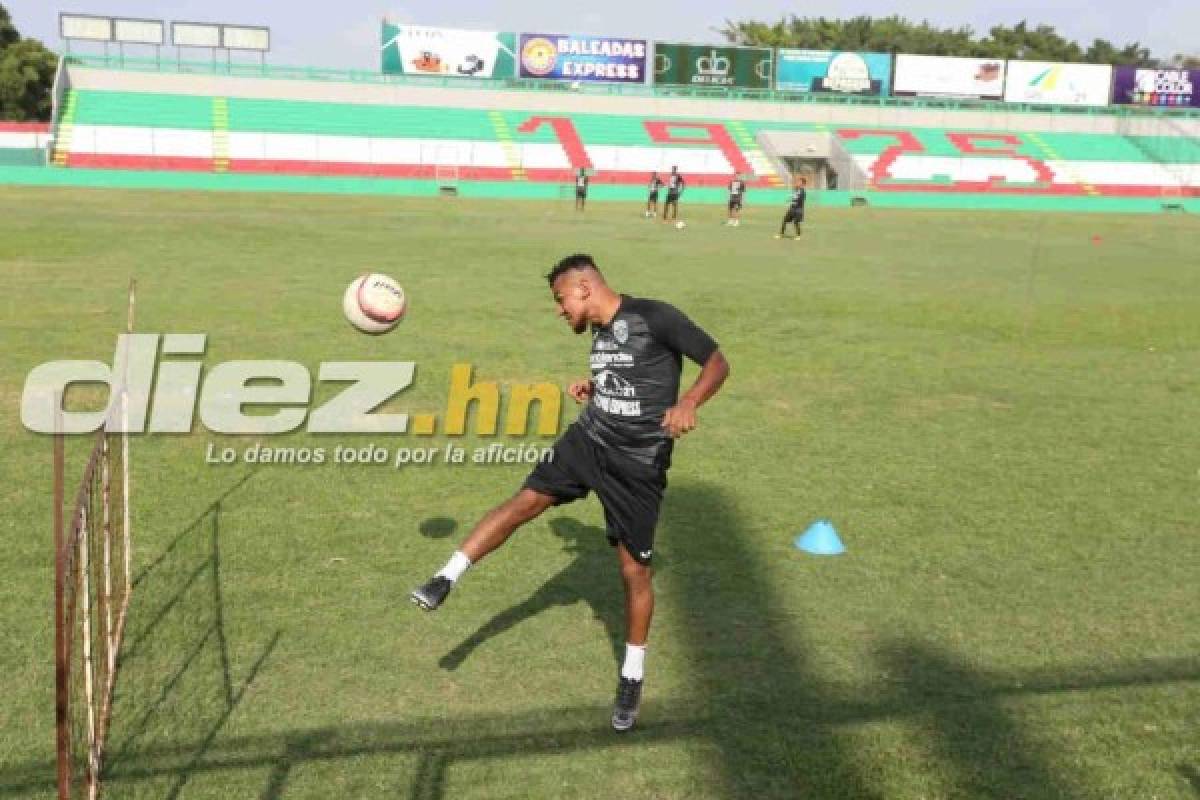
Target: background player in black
581	187
619	447
795	212
737	192
652	201
675	186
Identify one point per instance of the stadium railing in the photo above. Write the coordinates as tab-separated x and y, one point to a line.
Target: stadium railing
120	62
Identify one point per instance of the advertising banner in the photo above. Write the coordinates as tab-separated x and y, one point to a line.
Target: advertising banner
708	65
1171	88
948	76
583	58
449	52
833	71
1058	84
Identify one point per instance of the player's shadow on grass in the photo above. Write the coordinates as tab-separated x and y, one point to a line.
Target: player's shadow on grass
1192	775
786	730
964	722
592	577
778	727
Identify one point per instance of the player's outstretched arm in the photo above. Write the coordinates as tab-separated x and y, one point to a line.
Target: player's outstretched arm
681	418
581	390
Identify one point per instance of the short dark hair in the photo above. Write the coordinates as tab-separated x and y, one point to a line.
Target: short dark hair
574	261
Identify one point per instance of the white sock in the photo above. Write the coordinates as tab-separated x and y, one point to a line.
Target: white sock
635	662
455	567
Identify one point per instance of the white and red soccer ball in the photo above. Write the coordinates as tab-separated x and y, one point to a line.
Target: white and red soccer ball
374	303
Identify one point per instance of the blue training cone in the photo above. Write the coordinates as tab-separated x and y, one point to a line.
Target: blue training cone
821	539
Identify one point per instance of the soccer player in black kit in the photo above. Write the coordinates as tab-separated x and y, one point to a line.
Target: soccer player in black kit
581	187
652	201
619	447
675	186
795	212
737	193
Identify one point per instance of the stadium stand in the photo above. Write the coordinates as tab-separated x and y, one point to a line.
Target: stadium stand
189	125
23	144
140	130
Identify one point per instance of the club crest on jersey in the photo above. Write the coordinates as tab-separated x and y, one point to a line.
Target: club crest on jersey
621	331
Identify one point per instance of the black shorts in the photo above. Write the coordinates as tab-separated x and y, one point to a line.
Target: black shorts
672	198
735	204
581	194
794	216
653	197
629	491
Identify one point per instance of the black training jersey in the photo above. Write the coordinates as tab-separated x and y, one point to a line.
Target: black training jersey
655	183
798	198
581	181
737	187
675	183
636	363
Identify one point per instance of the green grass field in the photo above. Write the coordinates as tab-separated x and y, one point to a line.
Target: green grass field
998	413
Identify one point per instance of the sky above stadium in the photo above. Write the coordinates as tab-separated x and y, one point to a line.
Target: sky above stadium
345	34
